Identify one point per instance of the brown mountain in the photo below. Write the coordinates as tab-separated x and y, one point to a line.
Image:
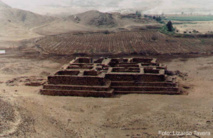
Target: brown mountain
21	17
16	24
94	18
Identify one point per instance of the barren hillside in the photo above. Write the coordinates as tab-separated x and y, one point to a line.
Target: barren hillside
92	21
95	18
15	24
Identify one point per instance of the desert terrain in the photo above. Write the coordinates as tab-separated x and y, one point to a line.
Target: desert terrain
201	26
26	113
37	46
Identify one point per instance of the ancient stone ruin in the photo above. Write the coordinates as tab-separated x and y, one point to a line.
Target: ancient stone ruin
105	77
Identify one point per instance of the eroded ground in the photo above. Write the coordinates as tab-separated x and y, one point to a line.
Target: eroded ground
33	115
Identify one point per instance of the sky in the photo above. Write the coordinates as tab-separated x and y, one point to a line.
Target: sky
146	6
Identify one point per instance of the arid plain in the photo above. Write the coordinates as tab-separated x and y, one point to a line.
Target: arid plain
35	51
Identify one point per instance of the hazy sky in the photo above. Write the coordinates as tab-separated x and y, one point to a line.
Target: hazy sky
149	6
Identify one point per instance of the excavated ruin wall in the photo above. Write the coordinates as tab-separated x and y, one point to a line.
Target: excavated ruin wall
147	70
132	83
85	93
66	72
113	76
143	77
150	88
83	60
139	60
70	87
76	80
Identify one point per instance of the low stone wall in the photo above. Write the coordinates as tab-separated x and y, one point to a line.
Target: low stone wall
84	93
79	67
134	70
149	64
132	83
154	71
139	78
67	72
139	88
74	87
128	65
83	60
149	92
76	80
91	73
142	60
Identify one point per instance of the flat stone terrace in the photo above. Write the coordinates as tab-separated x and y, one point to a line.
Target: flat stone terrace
105	77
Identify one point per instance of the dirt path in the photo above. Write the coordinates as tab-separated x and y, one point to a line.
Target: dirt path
123	116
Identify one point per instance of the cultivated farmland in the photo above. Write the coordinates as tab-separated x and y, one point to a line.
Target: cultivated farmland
144	42
191	18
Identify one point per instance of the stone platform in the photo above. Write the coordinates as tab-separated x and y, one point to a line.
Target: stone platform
105	77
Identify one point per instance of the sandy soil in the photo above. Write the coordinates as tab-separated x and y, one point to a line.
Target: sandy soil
201	26
26	113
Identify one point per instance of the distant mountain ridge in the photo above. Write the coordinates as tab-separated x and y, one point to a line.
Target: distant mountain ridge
16	24
94	18
3	5
21	24
21	17
122	6
29	19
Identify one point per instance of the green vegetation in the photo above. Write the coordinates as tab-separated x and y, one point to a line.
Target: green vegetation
138	14
157	18
169	26
185	22
168	29
191	18
164	30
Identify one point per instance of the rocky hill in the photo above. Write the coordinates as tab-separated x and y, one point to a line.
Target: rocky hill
95	18
26	18
15	24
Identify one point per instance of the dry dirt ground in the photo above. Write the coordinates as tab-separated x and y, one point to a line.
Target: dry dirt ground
201	26
26	113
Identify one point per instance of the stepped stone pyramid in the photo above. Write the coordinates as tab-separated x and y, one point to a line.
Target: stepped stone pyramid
105	77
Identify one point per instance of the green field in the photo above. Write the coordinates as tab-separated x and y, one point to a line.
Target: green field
191	18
